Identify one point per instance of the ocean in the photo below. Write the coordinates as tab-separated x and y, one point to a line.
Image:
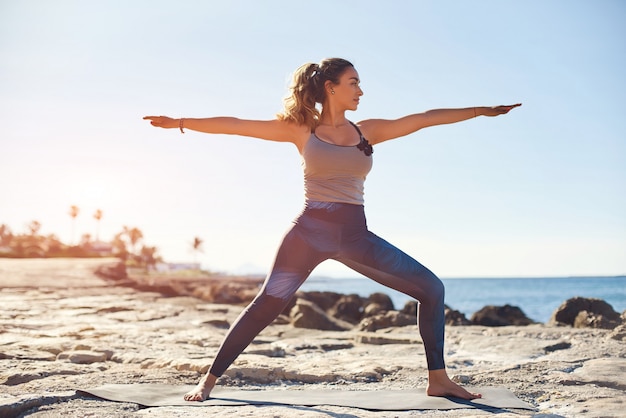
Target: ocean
537	297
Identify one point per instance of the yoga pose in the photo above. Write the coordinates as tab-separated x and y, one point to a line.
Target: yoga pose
337	156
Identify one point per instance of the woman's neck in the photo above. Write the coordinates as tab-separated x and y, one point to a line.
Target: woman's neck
333	120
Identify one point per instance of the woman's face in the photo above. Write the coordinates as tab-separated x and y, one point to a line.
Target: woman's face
348	91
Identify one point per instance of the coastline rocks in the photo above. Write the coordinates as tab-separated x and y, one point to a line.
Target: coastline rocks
51	310
452	316
498	316
386	320
331	311
325	300
226	292
348	308
582	312
306	314
455	318
381	299
410	308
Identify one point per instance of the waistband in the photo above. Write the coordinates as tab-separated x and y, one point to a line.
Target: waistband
344	213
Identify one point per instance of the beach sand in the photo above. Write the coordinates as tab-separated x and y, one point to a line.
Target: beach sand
63	329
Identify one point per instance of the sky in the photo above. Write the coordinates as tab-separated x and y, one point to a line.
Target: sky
538	192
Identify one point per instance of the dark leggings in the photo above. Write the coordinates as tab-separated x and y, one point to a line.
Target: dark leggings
337	231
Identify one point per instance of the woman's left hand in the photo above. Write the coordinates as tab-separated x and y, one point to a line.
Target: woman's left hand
498	110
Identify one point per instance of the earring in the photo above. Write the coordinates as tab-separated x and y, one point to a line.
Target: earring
332	91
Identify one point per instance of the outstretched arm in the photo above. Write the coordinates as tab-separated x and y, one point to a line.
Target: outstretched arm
380	130
271	130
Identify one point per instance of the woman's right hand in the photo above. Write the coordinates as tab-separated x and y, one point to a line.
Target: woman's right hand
162	121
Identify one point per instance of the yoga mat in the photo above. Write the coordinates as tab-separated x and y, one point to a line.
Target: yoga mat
375	400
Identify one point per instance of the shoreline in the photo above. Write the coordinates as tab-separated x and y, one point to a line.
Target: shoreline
70	329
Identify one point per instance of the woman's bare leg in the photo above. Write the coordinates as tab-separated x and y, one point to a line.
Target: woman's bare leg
439	384
203	389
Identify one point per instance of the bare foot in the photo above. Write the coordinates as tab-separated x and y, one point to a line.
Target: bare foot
439	384
202	390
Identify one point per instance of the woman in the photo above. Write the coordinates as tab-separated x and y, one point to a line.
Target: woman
337	156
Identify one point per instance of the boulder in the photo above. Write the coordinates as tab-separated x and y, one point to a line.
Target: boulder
598	314
373	309
454	317
586	319
348	308
386	320
410	308
306	314
226	292
325	300
498	316
383	300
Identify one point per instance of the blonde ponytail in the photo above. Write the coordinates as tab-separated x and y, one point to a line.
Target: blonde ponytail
307	89
299	106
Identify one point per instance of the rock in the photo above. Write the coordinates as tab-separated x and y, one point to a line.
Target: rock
410	308
226	292
19	378
115	271
373	309
383	300
348	308
271	351
217	323
454	317
386	320
569	310
306	314
558	346
618	333
586	319
498	316
282	320
325	300
606	372
82	356
461	378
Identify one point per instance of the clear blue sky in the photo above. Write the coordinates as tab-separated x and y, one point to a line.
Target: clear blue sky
538	192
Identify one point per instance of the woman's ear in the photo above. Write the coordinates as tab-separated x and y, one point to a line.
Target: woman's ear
328	86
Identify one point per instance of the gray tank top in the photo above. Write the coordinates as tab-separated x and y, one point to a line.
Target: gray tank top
335	173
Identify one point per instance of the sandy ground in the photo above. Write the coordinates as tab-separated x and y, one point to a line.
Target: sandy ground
63	329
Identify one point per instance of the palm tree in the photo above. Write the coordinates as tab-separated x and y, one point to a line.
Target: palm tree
98	216
34	227
134	235
196	245
34	245
73	213
149	257
119	246
5	235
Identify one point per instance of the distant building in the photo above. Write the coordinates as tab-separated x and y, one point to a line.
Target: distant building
101	249
165	267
